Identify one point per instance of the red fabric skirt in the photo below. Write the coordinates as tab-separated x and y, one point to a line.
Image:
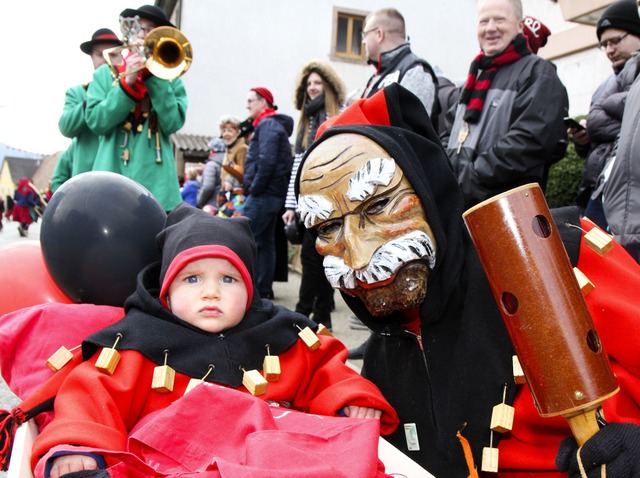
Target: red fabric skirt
22	214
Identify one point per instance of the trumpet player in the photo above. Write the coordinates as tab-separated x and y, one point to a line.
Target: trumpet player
72	123
136	113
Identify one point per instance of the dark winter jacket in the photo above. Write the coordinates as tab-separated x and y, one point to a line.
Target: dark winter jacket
189	191
603	126
268	162
393	67
210	187
621	196
514	141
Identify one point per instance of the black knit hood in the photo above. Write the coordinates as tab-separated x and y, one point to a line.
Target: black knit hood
150	328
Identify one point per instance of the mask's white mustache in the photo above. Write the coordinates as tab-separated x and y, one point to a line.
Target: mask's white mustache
385	262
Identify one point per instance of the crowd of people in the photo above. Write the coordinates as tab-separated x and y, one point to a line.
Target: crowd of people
375	190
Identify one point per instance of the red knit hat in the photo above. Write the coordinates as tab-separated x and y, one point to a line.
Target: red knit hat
190	234
536	33
265	93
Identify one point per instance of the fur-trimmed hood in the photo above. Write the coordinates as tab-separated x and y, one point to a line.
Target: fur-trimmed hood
329	76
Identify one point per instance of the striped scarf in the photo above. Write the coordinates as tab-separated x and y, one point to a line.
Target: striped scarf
475	89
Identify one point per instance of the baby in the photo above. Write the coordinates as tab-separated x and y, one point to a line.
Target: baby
194	317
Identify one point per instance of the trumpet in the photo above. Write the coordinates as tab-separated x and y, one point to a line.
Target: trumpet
167	51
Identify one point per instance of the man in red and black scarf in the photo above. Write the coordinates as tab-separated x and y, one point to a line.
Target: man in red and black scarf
509	118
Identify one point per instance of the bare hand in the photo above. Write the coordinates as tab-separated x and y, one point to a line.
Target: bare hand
289	216
135	62
579	136
353	411
71	463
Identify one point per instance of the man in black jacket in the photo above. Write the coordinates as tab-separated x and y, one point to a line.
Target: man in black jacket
266	176
509	119
385	42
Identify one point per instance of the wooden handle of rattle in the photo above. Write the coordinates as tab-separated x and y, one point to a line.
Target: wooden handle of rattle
546	315
583	425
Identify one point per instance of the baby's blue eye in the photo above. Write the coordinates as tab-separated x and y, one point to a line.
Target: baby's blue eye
192	279
228	279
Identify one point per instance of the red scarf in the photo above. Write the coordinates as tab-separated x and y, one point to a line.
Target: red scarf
475	89
265	114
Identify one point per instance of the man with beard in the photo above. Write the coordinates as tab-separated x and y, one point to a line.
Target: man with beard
509	119
378	191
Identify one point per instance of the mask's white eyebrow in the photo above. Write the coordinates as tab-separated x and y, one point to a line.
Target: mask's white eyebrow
314	208
376	172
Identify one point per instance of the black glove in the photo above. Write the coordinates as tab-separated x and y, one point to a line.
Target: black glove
617	446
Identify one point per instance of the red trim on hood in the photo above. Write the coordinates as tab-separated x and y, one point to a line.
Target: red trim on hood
200	252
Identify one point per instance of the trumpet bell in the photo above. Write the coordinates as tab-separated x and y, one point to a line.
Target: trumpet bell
170	53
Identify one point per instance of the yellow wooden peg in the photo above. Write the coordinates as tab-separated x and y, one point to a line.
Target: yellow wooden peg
518	373
599	241
309	337
271	366
194	382
109	358
60	358
490	459
254	382
163	377
585	284
502	416
322	330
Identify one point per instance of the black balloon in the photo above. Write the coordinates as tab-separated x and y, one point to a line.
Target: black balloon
97	233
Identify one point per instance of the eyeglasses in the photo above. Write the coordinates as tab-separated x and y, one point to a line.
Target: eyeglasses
611	41
251	100
365	33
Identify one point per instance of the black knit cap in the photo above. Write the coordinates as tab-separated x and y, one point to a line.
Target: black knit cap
148	12
190	233
623	15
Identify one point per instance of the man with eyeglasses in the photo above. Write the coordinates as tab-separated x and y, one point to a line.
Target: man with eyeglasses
387	49
618	31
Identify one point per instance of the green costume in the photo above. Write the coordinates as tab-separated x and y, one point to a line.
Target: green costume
73	125
64	166
132	124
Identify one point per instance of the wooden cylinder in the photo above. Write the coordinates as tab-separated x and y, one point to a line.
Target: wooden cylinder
541	303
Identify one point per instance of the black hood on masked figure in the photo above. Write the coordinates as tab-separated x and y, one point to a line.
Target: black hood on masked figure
454	372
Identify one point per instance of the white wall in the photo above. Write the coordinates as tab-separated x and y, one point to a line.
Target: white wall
244	43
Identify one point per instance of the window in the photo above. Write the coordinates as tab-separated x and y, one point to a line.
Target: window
347	35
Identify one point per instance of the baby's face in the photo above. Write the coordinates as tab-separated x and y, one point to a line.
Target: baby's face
210	294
